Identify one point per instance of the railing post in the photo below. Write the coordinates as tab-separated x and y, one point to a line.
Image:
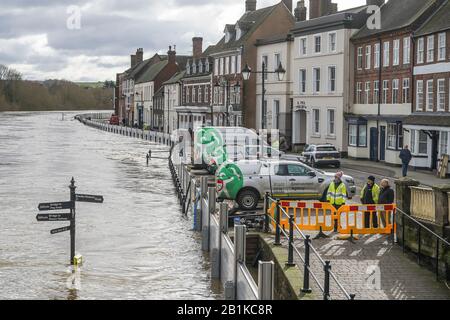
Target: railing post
223	218
437	259
290	262
326	285
277	228
306	288
240	235
266	213
266	281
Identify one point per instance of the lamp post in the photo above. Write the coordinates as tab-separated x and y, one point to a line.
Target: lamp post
247	72
227	85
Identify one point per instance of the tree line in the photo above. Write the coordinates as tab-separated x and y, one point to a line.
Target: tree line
17	94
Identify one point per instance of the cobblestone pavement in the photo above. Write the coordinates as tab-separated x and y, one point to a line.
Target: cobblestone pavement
372	268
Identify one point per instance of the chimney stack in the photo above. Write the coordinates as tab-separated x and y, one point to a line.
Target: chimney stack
172	55
333	8
139	55
375	2
314	9
133	60
250	5
197	47
288	4
320	8
301	11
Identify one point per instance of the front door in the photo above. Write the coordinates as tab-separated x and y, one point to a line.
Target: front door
373	144
382	143
434	150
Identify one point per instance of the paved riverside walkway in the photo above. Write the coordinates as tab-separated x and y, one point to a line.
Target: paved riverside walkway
356	266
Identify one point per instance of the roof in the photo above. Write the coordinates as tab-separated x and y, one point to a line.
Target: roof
435	119
397	14
151	73
253	20
353	18
176	78
280	38
440	21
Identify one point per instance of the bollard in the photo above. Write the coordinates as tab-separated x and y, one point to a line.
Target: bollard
266	281
290	262
277	228
223	218
326	285
306	288
72	188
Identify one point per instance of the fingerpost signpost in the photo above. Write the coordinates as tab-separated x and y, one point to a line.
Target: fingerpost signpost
67	216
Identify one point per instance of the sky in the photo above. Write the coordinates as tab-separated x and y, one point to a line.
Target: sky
91	40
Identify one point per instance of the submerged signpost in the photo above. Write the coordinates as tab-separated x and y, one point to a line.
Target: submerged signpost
66	216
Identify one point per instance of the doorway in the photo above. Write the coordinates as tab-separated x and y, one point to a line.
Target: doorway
382	143
373	144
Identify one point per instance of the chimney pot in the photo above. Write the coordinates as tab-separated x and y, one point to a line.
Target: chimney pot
300	11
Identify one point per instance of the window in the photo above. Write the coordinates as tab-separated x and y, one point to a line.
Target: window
200	94
277	60
359	93
385	91
357	135
276	114
188	94
206	94
406	50
367	93
405	91
303	48
194	94
430	95
423	143
430	49
297	171
332	79
442	44
441	95
395	90
302	80
227	65
233	64
265	59
420	50
316	122
216	96
200	66
392	136
332	42
368	56
360	58
443	145
419	142
331	122
188	68
376	92
377	57
316	80
318	44
419	96
396	58
386	60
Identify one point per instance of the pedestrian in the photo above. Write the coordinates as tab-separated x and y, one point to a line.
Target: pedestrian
370	195
337	191
387	196
406	157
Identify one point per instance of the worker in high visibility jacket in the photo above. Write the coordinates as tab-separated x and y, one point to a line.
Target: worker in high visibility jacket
337	192
370	194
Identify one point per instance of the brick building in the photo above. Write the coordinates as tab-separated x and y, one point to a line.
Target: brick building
234	100
427	130
382	86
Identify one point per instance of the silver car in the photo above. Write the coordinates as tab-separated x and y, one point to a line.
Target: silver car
283	179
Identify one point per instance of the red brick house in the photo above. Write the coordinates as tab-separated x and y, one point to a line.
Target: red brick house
427	130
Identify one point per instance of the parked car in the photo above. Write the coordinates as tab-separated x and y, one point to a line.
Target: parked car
246	182
114	120
319	155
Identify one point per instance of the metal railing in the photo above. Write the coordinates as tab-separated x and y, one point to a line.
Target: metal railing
309	248
420	229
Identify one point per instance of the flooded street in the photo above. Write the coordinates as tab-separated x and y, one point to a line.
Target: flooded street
137	245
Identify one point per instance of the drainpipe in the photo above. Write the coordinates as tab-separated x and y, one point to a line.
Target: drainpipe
380	65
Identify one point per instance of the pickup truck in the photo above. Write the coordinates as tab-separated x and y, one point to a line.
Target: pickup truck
246	182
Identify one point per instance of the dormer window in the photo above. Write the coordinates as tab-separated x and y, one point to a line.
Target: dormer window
200	66
238	33
188	68
227	36
206	65
229	31
194	68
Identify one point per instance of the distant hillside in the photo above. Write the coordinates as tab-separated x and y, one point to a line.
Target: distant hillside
21	95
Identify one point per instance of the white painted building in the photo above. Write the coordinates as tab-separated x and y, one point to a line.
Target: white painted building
275	111
321	72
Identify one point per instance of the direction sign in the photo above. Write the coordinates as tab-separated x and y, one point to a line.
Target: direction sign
54	217
89	198
55	206
59	230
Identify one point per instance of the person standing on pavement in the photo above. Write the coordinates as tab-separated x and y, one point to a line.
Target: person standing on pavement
370	195
337	191
406	157
387	196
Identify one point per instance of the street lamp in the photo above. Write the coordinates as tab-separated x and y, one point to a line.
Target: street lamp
226	84
247	72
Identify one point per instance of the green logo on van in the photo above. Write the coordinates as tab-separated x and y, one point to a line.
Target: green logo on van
210	144
232	179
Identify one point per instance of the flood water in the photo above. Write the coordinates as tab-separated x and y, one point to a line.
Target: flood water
137	245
